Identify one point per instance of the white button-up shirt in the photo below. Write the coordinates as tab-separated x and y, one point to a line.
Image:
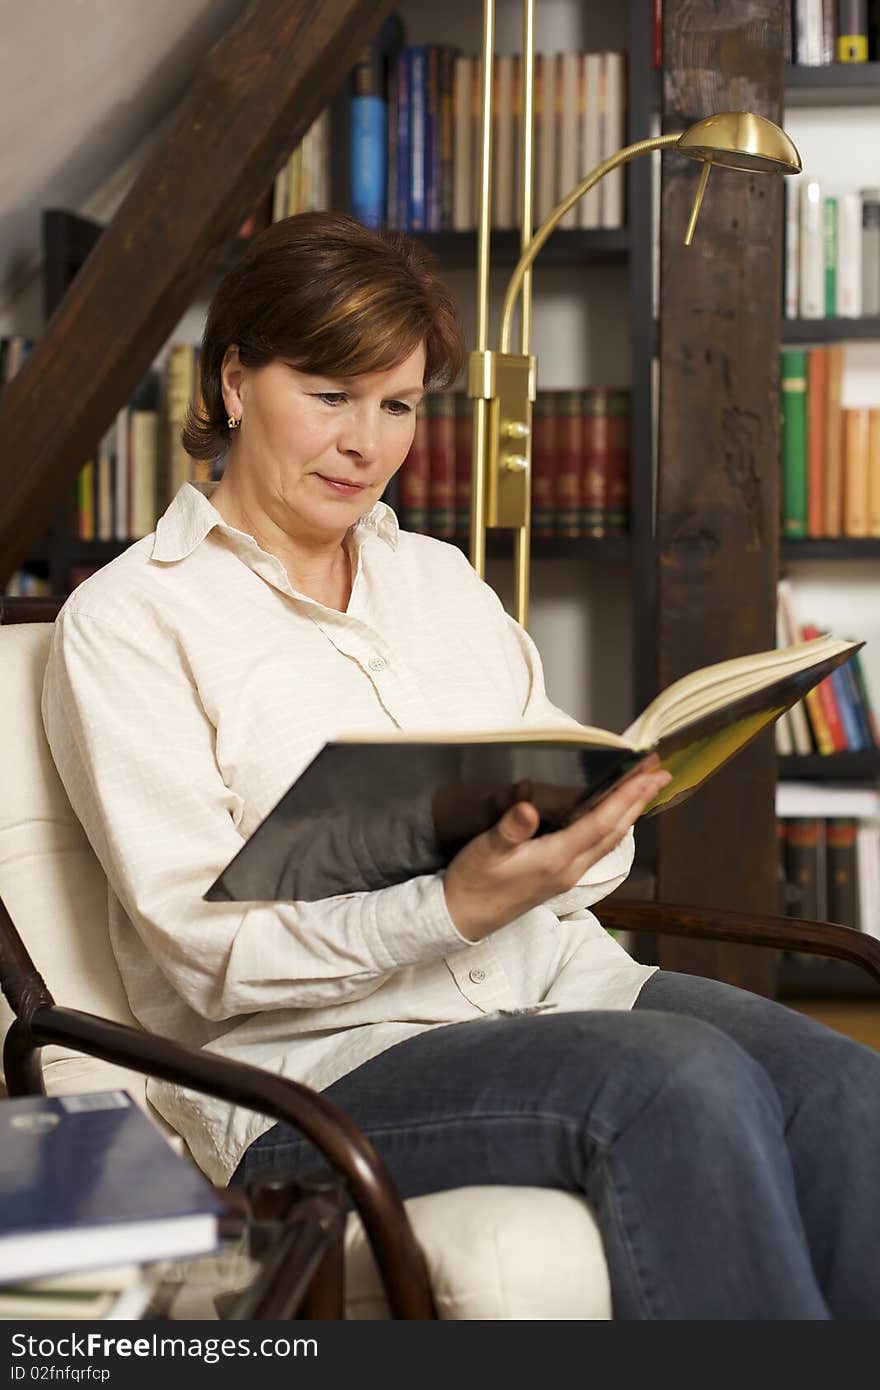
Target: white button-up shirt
188	685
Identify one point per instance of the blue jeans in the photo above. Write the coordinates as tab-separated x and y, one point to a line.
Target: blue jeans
729	1146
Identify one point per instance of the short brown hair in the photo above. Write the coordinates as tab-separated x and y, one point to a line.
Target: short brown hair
331	296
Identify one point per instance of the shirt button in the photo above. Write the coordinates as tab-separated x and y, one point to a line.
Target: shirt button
377	663
476	976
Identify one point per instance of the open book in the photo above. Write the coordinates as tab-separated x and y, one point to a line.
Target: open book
375	809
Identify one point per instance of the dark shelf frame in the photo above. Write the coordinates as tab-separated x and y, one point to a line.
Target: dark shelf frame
830	767
832	84
565	247
830	330
831	548
823	979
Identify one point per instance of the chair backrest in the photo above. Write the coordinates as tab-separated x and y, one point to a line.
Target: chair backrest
50	880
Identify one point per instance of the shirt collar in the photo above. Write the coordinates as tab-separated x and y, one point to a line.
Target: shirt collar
191	517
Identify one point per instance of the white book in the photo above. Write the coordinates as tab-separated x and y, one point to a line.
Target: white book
783	736
568	76
545	136
590	206
792	247
503	156
811	799
463	218
808	32
849	255
279	192
868	872
788	631
812	257
612	138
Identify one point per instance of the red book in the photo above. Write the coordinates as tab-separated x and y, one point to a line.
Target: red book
543	465
657	33
817	413
569	451
827	700
441	447
605	475
464	462
415	474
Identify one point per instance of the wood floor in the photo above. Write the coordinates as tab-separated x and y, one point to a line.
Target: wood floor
857	1018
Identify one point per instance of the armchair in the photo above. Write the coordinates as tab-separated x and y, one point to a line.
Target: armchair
478	1252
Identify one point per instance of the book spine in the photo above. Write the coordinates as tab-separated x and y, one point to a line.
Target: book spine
403	140
518	115
793	381
545	135
85	502
841	871
874	471
391	201
417	85
834	443
827	703
855	472
848	715
463	462
441	444
829	254
849	248
369	139
852	37
858	670
567	126
857	705
870	250
657	33
829	31
614	131
447	135
543	465
122	494
569	442
797	715
808	22
868	874
143	441
812	258
792	248
590	206
415	475
105	505
618	405
432	138
817	401
804	843
463	217
595	461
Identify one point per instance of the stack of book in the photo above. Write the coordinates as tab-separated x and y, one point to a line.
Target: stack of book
830	453
580	466
829	854
831	251
838	715
302	184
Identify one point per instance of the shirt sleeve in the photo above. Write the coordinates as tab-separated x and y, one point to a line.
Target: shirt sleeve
135	751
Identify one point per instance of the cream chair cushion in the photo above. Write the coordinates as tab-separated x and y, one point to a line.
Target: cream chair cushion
493	1252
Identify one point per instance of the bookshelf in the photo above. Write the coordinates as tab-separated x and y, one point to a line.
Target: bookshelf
831	113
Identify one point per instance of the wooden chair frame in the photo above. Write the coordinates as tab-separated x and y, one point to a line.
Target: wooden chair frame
39	1021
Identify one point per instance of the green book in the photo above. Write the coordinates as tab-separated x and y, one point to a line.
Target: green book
793	380
829	254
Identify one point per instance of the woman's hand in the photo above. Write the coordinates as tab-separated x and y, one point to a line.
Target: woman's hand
504	872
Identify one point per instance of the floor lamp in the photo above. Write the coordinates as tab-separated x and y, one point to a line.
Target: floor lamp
502	384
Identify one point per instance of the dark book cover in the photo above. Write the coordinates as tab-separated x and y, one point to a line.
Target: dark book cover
88	1180
805	867
569	451
841	874
415	476
464	462
441	448
544	465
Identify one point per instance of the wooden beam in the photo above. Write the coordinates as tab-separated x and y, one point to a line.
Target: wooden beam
717	503
256	94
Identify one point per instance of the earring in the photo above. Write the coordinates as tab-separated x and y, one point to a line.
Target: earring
233	423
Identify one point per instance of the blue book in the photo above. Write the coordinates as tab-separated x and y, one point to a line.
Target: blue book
848	713
402	142
848	677
369	123
418	90
88	1182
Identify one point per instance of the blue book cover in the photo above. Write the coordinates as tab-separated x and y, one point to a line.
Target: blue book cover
848	714
417	84
848	677
402	142
369	146
88	1181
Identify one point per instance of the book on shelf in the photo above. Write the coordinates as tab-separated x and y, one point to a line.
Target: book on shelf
812	252
590	206
870	250
88	1181
829	862
793	383
346	823
849	248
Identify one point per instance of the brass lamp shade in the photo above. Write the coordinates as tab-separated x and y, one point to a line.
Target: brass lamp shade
741	140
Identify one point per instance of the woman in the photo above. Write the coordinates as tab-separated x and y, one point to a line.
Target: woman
478	1024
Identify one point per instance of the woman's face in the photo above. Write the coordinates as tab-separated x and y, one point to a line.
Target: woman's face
317	452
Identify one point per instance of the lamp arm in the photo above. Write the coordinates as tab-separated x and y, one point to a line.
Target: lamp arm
657	142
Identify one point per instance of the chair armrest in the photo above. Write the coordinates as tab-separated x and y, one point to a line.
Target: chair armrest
398	1255
783	933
